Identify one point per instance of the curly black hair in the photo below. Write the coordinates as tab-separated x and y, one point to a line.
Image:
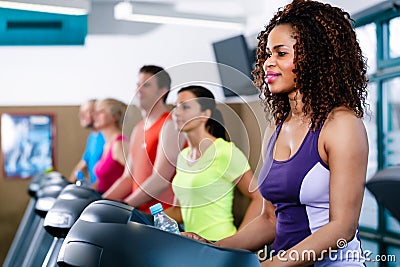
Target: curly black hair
329	66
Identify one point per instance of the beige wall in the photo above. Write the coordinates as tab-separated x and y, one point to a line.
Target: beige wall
70	141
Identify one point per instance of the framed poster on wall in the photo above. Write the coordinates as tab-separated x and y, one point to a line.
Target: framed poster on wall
27	143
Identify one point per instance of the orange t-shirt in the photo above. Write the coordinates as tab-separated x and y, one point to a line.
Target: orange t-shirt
143	151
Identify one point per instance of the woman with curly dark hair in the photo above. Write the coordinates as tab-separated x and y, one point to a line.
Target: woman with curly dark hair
312	73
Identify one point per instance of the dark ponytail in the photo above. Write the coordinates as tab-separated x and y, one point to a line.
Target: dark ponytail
206	99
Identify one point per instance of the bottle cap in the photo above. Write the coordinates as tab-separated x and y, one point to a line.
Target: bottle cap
156	208
80	176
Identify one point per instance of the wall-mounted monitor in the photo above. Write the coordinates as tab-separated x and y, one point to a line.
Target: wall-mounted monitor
235	66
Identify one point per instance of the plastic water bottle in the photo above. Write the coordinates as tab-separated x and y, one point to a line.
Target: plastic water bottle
163	221
81	180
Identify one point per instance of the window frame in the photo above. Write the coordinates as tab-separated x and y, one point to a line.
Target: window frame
386	68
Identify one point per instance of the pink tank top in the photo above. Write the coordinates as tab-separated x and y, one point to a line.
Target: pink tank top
107	169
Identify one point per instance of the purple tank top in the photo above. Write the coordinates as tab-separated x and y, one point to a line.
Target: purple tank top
299	189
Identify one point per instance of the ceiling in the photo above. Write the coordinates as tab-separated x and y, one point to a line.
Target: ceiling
250	14
101	18
354	6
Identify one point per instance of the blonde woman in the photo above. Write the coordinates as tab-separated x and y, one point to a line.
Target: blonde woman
108	118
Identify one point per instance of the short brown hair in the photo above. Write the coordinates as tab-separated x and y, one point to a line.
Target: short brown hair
163	78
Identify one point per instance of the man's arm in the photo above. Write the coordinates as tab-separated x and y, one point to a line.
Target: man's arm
169	145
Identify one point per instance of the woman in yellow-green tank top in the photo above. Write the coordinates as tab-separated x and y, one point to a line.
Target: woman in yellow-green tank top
208	169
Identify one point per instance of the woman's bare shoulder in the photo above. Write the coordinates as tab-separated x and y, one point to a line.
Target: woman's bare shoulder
342	124
340	117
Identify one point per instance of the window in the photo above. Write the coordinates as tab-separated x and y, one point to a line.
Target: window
378	31
394	253
366	36
391	121
394	37
392	225
371	248
369	209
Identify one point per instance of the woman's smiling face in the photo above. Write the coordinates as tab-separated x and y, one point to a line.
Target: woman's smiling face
279	65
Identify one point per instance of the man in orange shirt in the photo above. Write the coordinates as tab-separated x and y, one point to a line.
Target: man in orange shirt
154	146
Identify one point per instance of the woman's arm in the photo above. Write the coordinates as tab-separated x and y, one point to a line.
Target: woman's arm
175	211
246	186
118	152
344	146
121	187
253	236
94	185
256	234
